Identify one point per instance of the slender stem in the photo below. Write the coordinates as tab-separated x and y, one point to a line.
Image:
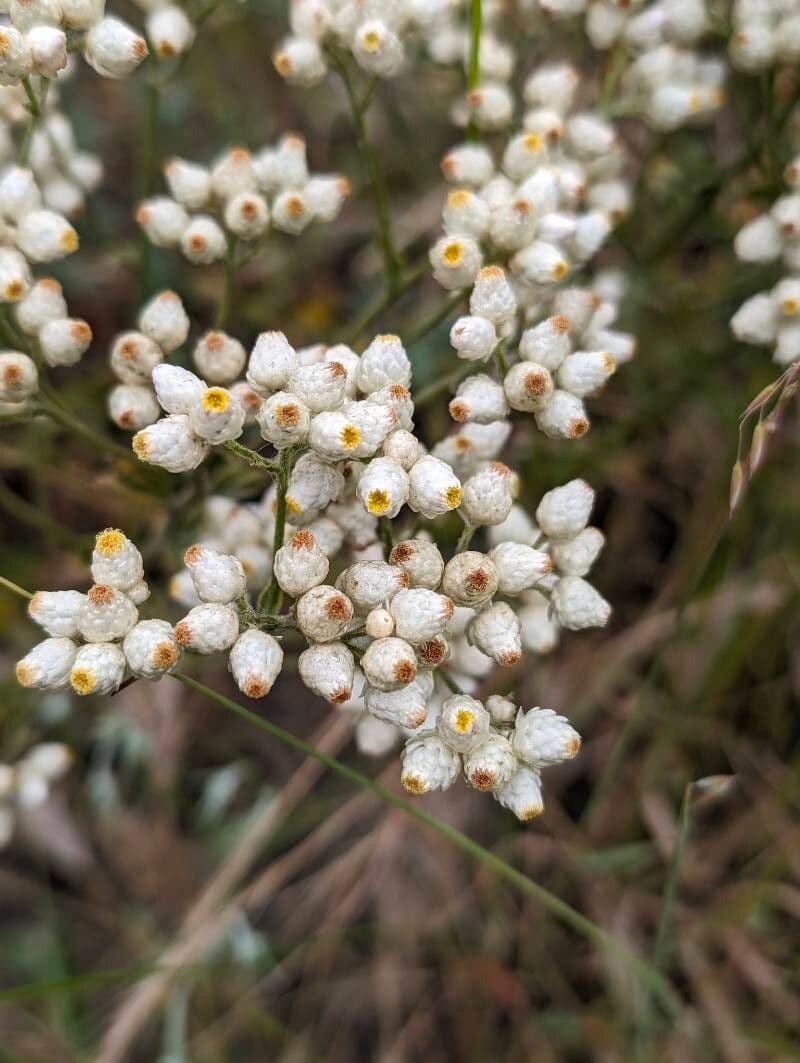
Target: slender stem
252	457
436	317
384	300
560	909
385	527
448	681
465	538
15	588
36	108
500	358
391	259
474	67
271	597
434	390
100	442
228	285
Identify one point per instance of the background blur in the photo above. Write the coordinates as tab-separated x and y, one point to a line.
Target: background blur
309	920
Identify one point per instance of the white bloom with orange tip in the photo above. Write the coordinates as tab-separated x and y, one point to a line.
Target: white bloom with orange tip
325	195
421	561
116	560
334	435
255	661
493	297
98	668
377	49
496	632
320	386
402	447
48	45
420	614
383	488
465	213
19	378
470	578
523	154
541	737
406	707
528	387
56	612
474	338
434	489
468	164
370	584
491	105
203	241
105	614
487	496
208	628
563	416
284	420
428	764
218	416
300	61
519	567
217	577
134	357
292	211
171	444
16	60
456	260
547	343
163	220
522	794
383	362
188	182
479	398
164	320
300	564
577	605
585	372
64	341
328	669
491	765
373	422
220	358
540	263
247	215
389	663
564	512
150	649
113	49
463	723
323	613
47	665
575	557
170	31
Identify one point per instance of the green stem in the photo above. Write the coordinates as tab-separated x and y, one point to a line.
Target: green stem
436	317
271	597
36	108
465	538
65	417
385	299
445	383
228	286
448	681
391	259
385	527
252	457
15	588
500	358
560	909
474	66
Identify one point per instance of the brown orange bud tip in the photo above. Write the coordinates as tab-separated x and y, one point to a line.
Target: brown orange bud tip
164	654
193	554
183	633
482	780
413	784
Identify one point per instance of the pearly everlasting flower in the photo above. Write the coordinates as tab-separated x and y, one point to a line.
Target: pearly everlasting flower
428	764
402	447
56	612
170	31
456	261
328	669
16	61
419	614
502	710
47	666
389	663
113	49
420	560
479	398
470	578
463	723
44	236
189	183
406	707
203	240
300	564
522	794
220	358
208	628
64	341
272	361
487	495
434	488
383	362
170	443
255	662
496	632
490	765
563	416
474	338
44	302
519	567
300	61
377	49
19	378
217	577
150	649
383	488
323	613
541	737
134	358
165	322
577	604
575	557
217	416
564	511
163	220
105	614
116	561
370	584
97	669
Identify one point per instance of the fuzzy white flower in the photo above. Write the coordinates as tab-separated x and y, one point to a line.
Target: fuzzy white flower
150	649
47	665
116	561
490	765
329	670
323	613
578	605
98	668
564	511
255	662
434	488
542	737
470	578
428	764
300	564
389	663
208	628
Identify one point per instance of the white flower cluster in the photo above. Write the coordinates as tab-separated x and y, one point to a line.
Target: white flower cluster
375	32
35	42
27	783
772	319
94	637
238	198
500	749
764	33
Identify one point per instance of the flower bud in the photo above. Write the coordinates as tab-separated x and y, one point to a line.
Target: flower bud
134	358
428	764
563	416
383	488
420	560
113	49
389	663
383	362
434	488
170	31
208	628
402	447
540	263
575	557
463	723
219	357
163	220
188	182
585	372
217	577
564	512
218	416
466	214
487	497
48	46
329	670
16	60
480	399
491	105
47	665
519	567
150	649
420	614
300	564
165	322
63	342
44	236
493	297
43	303
19	378
105	614
406	707
203	241
496	632
171	444
323	613
272	362
577	604
177	389
376	49
56	612
470	578
255	662
292	212
116	561
98	668
468	164
491	765
247	215
456	261
284	420
503	711
541	737
300	61
313	484
369	584
379	623
522	794
19	193
474	338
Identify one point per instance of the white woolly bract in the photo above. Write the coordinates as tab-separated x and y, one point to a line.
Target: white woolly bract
105	614
134	358
564	511
217	577
369	584
150	649
219	357
171	444
116	560
487	495
389	663
383	362
255	661
421	561
522	794
434	488
496	632
542	737
575	557
383	488
406	707
19	378
491	764
56	612
98	668
300	564
428	764
578	605
519	567
470	578
47	665
323	613
463	723
208	628
329	671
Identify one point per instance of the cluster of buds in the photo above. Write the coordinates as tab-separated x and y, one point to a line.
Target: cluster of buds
500	749
772	319
27	783
94	637
374	32
238	198
35	42
763	34
670	86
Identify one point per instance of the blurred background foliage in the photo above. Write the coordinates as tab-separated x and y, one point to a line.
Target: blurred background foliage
352	933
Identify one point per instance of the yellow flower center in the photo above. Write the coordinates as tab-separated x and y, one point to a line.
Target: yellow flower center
463	721
350	436
452	497
69	240
109	542
532	142
82	680
371	41
452	253
459	198
789	306
378	502
216	400
292	505
413	784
